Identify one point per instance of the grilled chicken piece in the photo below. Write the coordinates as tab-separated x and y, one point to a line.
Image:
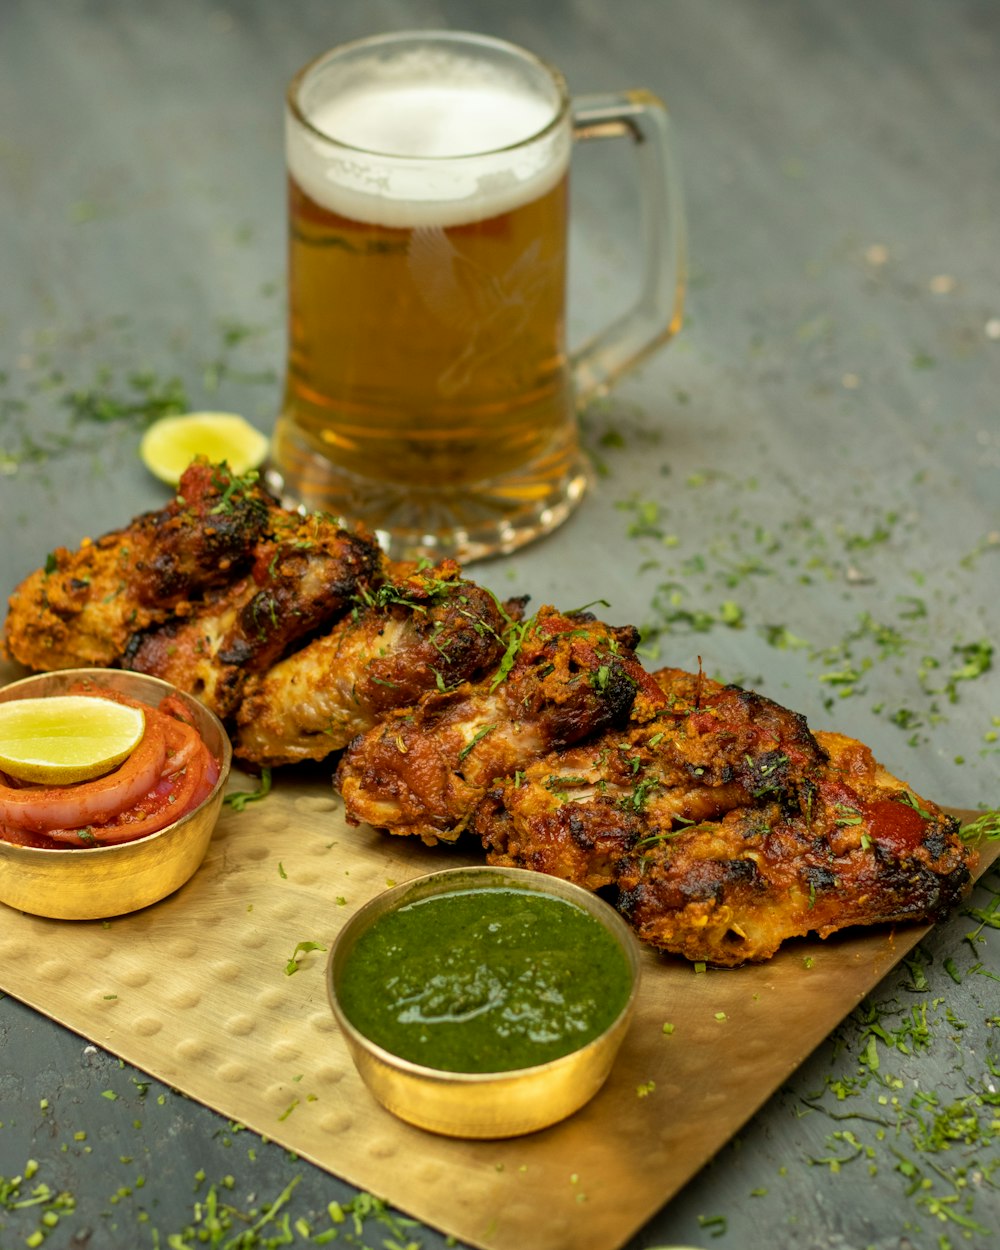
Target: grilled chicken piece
307	572
83	606
867	850
709	749
424	629
186	649
423	770
725	827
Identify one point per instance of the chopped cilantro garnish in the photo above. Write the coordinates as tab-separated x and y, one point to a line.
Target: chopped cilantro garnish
515	635
486	729
847	815
985	828
301	948
240	798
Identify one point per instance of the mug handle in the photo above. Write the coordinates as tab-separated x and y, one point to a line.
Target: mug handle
656	315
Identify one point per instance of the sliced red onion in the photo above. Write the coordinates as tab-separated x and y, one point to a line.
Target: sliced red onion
41	808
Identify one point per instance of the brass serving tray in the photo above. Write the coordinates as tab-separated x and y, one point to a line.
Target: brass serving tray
196	991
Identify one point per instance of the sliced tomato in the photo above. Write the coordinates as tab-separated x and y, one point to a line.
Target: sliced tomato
190	773
51	807
24	837
168	774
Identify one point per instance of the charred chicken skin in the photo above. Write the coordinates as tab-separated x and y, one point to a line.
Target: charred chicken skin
423	770
306	573
428	629
707	750
217	585
714	819
726	828
84	606
866	850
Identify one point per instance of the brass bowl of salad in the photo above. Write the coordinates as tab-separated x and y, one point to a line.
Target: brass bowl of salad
98	848
484	1002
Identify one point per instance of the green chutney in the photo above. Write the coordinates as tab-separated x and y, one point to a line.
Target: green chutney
484	980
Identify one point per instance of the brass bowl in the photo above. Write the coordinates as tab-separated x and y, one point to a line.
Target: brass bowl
92	883
483	1104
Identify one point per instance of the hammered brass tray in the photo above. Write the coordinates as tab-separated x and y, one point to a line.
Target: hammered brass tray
197	991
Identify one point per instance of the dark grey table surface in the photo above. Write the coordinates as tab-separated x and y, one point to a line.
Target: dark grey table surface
803	490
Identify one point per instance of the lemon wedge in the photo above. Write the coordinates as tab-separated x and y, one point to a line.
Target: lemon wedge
170	444
66	738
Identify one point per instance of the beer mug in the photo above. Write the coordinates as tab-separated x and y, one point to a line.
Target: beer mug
430	393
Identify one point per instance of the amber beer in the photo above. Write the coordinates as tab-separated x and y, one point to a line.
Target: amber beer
428	356
428	390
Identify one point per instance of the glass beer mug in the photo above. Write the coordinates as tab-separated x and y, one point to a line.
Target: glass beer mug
430	394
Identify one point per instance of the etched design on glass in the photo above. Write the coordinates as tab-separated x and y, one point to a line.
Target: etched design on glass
458	292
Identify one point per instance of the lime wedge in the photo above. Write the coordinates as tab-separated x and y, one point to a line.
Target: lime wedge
66	738
170	444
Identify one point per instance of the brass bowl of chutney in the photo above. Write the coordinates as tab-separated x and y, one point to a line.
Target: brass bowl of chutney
484	1002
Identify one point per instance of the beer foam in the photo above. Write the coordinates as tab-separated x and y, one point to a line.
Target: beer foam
433	120
379	151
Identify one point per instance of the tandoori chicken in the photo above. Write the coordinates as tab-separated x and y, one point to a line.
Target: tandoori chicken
725	827
712	817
